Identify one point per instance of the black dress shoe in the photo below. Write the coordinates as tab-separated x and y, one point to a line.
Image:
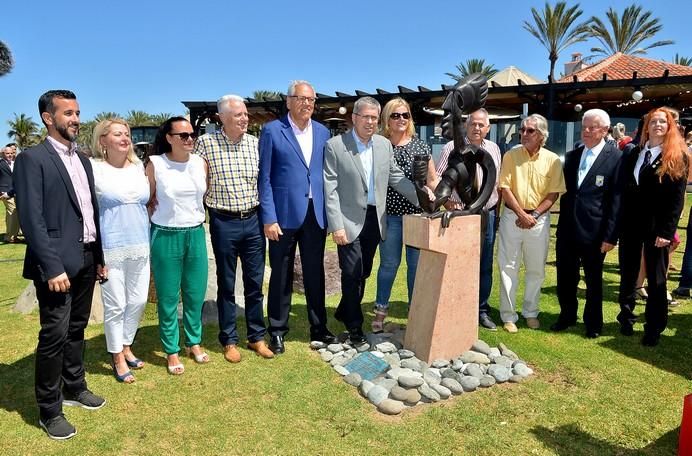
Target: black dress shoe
592	334
324	336
561	325
650	340
486	322
356	336
276	344
626	329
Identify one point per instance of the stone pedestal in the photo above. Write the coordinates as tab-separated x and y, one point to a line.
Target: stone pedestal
443	319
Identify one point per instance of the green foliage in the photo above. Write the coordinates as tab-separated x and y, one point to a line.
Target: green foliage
472	66
139	119
682	60
23	131
556	28
266	95
628	33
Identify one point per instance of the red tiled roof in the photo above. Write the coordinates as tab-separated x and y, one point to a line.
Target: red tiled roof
621	66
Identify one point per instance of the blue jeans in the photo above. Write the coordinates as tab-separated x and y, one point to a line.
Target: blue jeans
232	239
486	270
390	259
686	273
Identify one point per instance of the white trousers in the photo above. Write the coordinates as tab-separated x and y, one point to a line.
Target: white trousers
532	245
124	299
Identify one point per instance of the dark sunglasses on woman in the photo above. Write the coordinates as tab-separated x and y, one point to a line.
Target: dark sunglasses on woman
399	115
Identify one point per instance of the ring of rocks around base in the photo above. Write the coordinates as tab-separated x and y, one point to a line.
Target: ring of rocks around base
393	379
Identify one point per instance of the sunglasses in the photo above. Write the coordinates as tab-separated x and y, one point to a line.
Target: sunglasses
400	115
185	135
527	131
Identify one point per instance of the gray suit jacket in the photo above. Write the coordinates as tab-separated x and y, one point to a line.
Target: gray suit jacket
345	188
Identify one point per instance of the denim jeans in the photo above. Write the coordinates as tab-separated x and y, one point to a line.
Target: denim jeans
686	272
486	270
390	259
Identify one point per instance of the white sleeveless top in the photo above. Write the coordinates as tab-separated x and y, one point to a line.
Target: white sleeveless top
180	189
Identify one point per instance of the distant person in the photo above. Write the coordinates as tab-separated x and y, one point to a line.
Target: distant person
477	128
291	191
58	211
179	262
531	180
688	139
122	191
622	138
397	126
358	167
232	155
655	178
588	225
7	159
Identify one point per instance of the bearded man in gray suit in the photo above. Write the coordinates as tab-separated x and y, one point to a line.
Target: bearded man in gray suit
358	167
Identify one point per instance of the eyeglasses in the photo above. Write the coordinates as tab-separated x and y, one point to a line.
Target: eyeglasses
400	115
302	99
185	135
367	118
527	131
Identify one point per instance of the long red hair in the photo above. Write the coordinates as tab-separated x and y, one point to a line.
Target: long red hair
673	148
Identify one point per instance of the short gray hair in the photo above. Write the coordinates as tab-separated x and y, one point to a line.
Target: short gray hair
483	110
222	103
292	86
541	126
600	115
361	102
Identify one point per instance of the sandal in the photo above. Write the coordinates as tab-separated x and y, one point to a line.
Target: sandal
202	358
378	322
122	378
176	369
641	292
135	363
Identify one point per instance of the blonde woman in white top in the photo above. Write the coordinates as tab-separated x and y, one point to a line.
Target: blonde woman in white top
178	181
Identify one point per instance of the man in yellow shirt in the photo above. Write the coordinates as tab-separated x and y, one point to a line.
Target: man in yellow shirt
531	180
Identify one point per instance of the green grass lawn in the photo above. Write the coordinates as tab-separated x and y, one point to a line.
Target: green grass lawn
609	396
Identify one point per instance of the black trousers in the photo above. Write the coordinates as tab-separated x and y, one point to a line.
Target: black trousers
355	261
59	354
656	261
572	255
310	238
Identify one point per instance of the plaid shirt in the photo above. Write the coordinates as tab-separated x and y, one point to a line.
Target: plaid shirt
233	170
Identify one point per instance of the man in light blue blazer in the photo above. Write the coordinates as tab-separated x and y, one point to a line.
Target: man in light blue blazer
291	194
358	167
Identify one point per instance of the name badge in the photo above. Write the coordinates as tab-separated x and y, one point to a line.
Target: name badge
599	181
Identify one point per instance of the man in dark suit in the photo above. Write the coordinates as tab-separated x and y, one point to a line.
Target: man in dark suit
59	216
291	194
358	167
587	227
7	158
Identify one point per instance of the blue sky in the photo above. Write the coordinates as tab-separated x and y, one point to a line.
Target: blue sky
151	55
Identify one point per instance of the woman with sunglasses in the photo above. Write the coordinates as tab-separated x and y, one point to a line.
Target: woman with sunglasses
178	181
655	176
398	127
122	192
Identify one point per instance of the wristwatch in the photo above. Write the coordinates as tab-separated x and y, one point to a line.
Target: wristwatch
535	214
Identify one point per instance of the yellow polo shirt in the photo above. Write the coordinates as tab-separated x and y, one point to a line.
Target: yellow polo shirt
531	179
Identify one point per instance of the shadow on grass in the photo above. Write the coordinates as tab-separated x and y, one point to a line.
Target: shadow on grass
573	441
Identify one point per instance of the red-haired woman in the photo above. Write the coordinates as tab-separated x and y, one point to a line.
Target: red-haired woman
653	196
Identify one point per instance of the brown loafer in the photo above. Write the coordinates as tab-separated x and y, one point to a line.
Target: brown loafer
231	353
261	349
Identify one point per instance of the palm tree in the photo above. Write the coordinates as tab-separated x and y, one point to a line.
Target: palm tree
86	130
556	29
160	118
138	118
267	95
472	66
105	116
628	33
23	131
681	60
6	61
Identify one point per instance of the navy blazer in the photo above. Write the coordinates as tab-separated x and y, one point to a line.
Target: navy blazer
651	208
49	214
285	179
589	214
6	185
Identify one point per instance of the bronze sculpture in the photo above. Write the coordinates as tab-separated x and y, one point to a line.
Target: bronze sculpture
467	96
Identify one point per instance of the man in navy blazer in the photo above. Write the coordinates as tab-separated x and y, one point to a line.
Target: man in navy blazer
59	216
588	225
291	194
